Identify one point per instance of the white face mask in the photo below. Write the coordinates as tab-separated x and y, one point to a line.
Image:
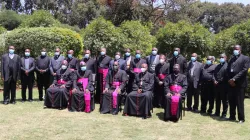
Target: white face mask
143	69
64	67
43	53
117	57
162	61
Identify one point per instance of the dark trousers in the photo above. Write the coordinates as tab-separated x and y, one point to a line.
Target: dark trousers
221	97
191	91
43	81
236	100
27	82
207	95
9	87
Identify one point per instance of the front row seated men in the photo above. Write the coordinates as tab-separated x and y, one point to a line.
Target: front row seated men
175	88
139	101
58	93
115	84
80	98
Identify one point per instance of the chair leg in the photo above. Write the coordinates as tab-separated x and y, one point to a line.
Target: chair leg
184	108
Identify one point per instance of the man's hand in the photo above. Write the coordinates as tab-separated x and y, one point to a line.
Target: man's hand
169	94
160	83
87	91
52	85
215	83
177	94
62	86
231	82
74	90
27	72
105	90
54	74
2	78
41	71
139	91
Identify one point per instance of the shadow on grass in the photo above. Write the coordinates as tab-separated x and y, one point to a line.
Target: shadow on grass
160	116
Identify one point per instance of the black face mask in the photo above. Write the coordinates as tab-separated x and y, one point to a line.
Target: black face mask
176	71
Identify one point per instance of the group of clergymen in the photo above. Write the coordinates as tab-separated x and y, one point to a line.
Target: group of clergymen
145	83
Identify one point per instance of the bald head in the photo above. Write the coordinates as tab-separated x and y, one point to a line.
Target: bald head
71	52
138	51
116	66
65	62
176	68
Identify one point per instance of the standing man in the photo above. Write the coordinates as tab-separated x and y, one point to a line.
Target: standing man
102	64
193	76
135	66
56	63
237	72
119	60
207	86
178	59
220	79
43	73
90	62
27	75
10	68
128	59
161	71
72	61
152	60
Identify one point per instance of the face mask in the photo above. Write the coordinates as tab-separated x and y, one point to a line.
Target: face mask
176	53
117	57
86	55
103	53
115	67
193	59
83	68
69	55
11	51
209	62
64	67
57	53
143	69
43	53
154	52
27	54
162	61
176	71
138	56
127	54
222	60
236	52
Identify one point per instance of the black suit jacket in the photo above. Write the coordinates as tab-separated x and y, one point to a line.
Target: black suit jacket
5	67
237	69
181	61
196	73
32	66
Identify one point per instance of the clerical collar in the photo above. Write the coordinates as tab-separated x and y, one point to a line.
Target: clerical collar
26	57
176	74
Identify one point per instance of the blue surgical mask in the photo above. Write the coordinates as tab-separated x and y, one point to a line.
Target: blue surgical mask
70	56
57	53
193	59
154	52
103	53
43	53
83	68
27	54
209	62
127	54
222	60
64	67
236	52
138	56
86	55
176	53
11	51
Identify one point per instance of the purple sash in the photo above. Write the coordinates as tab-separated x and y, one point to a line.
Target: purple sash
137	70
104	73
61	81
175	99
115	94
162	76
87	97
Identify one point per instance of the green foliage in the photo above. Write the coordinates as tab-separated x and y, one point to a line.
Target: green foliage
49	38
136	36
189	38
40	18
2	30
10	19
102	33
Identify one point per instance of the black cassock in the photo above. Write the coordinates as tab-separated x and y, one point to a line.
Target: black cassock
102	71
77	99
109	104
161	71
140	104
57	97
72	63
180	80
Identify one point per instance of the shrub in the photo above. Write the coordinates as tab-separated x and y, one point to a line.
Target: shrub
10	19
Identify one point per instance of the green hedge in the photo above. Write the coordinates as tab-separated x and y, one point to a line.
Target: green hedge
49	38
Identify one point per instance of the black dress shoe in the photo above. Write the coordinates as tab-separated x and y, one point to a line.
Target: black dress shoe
231	119
5	102
189	109
209	113
23	101
30	100
216	115
223	117
195	110
241	122
41	99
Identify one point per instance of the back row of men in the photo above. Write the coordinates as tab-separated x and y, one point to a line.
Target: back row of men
225	80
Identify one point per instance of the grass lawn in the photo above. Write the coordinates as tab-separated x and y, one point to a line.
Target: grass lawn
31	121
